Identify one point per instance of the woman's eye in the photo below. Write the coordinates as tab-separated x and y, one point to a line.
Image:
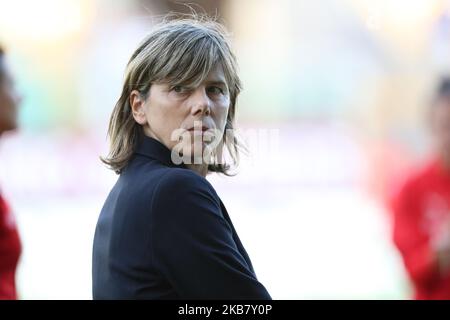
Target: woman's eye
215	90
178	89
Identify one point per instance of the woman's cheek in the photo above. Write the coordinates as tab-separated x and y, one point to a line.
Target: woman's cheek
223	116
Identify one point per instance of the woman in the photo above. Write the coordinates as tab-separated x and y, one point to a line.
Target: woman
421	209
163	232
10	247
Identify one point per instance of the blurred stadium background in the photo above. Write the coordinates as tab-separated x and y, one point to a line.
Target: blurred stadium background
342	85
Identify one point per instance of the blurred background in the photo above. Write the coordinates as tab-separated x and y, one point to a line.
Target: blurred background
335	93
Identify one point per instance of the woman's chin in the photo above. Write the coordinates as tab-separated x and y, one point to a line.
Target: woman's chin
198	153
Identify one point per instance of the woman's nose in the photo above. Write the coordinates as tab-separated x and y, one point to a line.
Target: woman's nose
201	104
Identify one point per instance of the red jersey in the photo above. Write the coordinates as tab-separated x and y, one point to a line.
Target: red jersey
421	208
10	249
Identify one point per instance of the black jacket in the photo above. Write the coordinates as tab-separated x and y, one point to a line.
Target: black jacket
164	233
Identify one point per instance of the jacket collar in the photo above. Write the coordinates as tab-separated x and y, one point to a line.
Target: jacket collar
154	149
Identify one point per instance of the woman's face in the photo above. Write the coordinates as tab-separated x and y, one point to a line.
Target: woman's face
9	101
196	114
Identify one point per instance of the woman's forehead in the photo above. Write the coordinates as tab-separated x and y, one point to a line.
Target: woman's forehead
216	75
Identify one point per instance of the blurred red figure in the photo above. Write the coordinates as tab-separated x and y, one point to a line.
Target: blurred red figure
421	209
10	246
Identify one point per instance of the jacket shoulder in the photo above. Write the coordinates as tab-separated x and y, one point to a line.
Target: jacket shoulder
177	177
181	183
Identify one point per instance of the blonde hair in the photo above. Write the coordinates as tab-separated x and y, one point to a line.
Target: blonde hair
179	51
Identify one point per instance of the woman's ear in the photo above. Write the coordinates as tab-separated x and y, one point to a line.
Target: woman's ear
137	105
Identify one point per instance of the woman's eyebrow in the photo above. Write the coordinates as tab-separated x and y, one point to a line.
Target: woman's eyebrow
217	83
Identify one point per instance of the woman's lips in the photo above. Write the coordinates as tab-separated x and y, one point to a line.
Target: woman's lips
199	129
